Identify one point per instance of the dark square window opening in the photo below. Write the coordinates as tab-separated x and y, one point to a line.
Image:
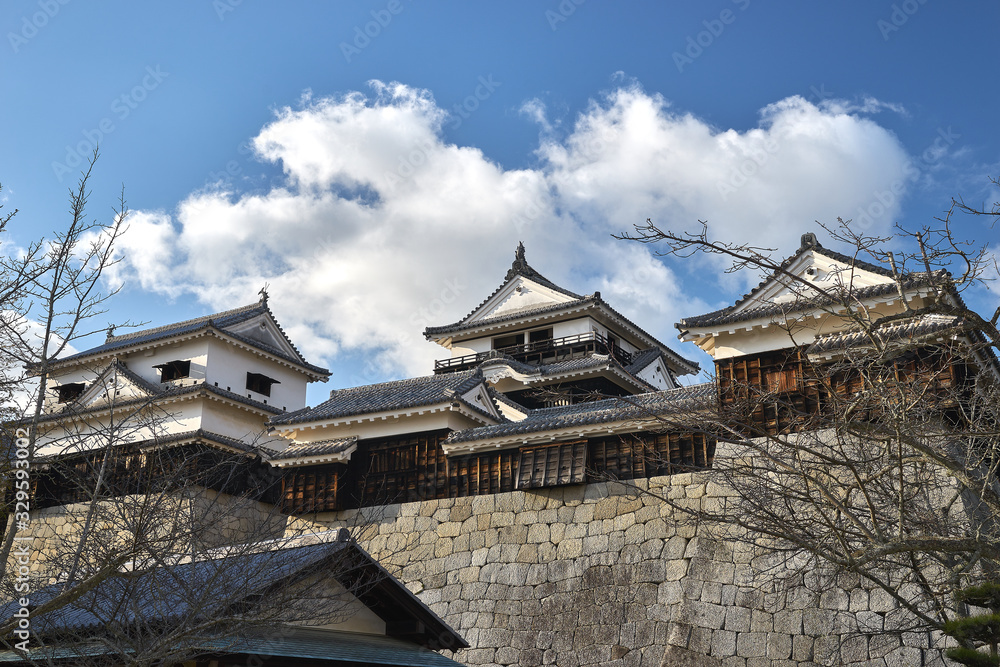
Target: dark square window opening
70	391
260	383
539	335
501	342
174	370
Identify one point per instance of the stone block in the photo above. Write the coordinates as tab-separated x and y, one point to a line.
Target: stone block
651	549
507	655
538	533
674	548
737	619
751	644
702	614
647	513
635	534
761	621
583	514
802	648
788	621
711	592
723	643
834	598
527	518
569	549
557	532
881	601
528	553
779	646
818	622
904	656
674	570
880	646
501	519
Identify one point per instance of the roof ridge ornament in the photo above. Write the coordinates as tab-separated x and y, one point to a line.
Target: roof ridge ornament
520	264
809	240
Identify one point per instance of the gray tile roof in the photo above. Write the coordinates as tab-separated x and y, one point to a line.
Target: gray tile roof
590	300
638	407
642	359
320	448
217	321
910	329
201	590
318	646
591	361
809	242
519	267
727	316
207	437
160	393
388	396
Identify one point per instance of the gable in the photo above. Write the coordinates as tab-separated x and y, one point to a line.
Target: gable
826	273
263	330
117	383
519	294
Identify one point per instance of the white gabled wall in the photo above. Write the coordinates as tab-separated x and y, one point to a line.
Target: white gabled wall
228	367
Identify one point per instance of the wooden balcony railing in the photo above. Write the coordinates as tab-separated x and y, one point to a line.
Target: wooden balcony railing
541	352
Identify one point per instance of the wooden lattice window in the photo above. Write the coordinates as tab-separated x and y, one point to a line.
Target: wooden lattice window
310	490
552	465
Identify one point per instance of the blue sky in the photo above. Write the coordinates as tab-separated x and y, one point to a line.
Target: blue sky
254	146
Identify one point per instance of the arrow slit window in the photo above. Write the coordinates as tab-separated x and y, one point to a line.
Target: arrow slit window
174	370
260	383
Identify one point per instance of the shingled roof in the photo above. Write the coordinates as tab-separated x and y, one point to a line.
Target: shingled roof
207	590
732	314
638	407
218	321
590	362
907	330
303	450
389	396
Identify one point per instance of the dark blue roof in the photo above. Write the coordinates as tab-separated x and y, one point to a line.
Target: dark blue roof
320	448
158	393
727	316
287	641
218	321
209	593
385	396
638	407
591	361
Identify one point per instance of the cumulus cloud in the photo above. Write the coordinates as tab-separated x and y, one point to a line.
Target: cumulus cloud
381	226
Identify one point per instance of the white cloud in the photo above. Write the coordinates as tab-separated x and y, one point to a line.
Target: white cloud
383	227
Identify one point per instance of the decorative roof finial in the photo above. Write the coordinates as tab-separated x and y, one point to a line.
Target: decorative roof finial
809	241
111	331
263	293
519	265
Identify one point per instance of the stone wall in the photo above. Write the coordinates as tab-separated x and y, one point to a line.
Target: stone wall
602	575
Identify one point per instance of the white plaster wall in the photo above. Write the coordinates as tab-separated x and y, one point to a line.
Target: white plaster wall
127	425
228	368
380	428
